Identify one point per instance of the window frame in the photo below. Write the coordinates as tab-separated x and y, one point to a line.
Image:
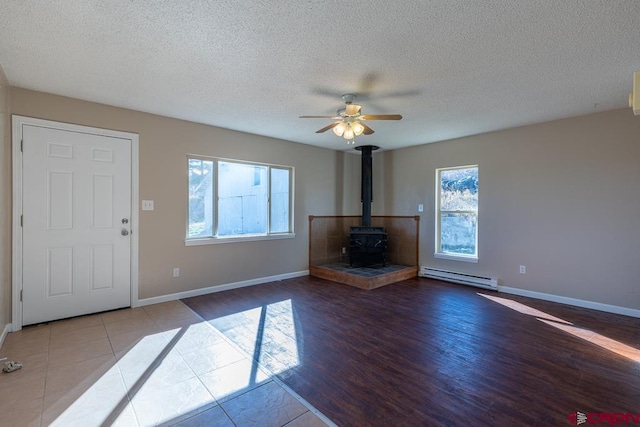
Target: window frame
439	253
214	238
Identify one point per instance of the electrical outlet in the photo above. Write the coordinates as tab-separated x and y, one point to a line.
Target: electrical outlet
523	269
344	250
176	272
147	205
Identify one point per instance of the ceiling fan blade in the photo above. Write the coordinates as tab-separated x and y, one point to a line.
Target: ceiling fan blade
367	130
321	117
326	128
381	117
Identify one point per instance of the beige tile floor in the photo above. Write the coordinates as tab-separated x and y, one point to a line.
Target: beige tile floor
154	365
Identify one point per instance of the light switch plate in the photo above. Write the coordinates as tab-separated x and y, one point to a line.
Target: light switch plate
147	205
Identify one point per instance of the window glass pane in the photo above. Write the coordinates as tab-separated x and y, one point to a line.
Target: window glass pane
458	233
459	189
242	199
200	198
279	200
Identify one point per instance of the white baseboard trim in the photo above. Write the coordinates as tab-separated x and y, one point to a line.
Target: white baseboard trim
220	288
7	329
571	301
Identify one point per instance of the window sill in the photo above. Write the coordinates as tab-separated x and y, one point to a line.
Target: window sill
453	257
236	239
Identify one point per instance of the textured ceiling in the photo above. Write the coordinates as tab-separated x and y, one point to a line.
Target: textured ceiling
451	67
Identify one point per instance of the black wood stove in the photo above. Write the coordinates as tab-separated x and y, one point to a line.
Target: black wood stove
367	244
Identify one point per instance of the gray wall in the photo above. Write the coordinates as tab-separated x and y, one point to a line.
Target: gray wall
164	144
561	198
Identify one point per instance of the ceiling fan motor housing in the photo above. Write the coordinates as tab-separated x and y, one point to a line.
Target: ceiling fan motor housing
348	98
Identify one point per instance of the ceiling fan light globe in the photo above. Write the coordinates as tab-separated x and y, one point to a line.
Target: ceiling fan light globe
348	133
357	128
339	129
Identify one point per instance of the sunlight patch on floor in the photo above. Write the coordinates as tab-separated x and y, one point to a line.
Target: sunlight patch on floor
180	371
153	381
524	309
268	333
607	343
600	340
98	402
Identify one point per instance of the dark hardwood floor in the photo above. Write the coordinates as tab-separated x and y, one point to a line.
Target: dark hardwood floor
425	352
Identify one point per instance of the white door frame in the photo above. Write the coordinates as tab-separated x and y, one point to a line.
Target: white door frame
16	264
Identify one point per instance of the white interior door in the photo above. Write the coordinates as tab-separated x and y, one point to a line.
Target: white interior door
76	243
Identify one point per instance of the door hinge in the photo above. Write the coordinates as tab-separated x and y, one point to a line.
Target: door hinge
21	144
21	221
20	295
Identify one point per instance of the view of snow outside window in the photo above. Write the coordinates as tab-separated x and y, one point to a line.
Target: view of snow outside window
242	192
458	211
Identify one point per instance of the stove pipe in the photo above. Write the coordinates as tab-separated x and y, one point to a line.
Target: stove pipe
367	182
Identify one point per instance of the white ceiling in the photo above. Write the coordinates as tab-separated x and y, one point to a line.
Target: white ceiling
450	67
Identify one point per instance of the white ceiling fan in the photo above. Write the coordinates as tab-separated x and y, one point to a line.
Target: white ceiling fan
349	122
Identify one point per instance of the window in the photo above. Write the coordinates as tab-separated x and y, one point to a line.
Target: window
232	200
457	213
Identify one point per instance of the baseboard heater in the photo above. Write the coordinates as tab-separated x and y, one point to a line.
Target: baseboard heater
461	278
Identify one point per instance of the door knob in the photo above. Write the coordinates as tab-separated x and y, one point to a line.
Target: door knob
124	232
125	221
